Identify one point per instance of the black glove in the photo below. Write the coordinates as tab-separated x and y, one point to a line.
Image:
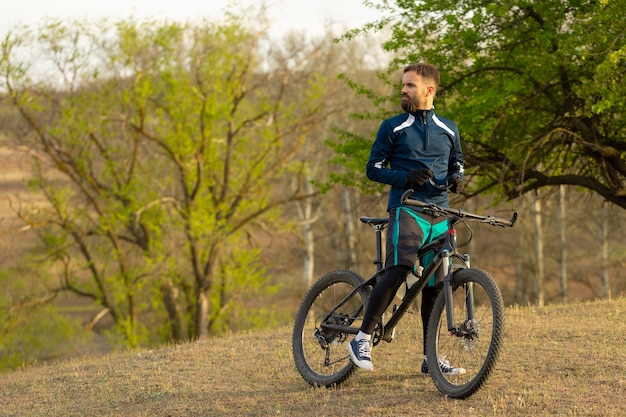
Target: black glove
457	184
418	176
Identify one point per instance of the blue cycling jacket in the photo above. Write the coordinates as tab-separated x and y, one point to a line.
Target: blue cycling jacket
410	141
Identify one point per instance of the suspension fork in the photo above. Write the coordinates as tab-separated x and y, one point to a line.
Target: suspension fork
447	280
469	293
447	289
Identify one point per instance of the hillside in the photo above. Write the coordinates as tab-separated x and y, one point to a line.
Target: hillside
559	360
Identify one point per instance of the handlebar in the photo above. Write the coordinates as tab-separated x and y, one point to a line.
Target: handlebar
458	213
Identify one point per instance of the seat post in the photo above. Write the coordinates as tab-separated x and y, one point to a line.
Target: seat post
379	246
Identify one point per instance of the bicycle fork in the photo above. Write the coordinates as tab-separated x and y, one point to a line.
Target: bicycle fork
447	289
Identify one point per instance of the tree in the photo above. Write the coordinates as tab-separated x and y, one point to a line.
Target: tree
536	87
156	145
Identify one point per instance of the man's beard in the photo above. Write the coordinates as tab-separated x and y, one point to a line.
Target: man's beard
409	105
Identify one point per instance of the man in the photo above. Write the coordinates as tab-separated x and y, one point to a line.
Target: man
419	150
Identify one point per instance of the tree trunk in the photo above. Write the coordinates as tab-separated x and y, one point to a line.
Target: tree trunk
307	219
604	243
521	293
308	268
538	245
562	254
169	294
202	314
204	283
349	228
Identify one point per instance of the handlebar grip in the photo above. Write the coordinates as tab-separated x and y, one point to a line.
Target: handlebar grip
406	195
502	222
410	202
511	222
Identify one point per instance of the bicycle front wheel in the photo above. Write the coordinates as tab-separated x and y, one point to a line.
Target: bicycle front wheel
324	325
472	343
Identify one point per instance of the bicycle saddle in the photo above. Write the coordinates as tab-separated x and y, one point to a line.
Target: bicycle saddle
374	220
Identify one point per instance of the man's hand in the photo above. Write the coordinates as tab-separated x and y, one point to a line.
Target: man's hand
418	176
457	184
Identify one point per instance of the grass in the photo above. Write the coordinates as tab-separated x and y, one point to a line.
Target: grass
560	360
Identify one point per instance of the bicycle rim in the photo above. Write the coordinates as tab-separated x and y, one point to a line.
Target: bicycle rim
321	354
476	345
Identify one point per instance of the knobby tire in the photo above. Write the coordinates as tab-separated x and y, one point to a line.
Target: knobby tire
321	355
477	350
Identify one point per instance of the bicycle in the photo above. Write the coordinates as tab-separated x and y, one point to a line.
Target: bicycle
466	324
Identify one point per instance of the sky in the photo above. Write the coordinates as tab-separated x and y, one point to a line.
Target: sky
310	15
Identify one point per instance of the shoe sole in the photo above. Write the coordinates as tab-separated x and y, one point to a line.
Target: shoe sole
455	373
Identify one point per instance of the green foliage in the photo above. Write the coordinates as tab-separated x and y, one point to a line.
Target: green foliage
42	334
31	328
351	153
535	87
351	146
242	279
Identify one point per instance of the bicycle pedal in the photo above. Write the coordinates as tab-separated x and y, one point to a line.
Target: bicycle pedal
389	336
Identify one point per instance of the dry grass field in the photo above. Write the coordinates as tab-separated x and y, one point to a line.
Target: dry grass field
560	360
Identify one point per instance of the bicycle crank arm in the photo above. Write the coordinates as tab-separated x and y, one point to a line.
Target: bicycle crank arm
340	328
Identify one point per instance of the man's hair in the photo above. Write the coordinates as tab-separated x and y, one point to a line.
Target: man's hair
425	70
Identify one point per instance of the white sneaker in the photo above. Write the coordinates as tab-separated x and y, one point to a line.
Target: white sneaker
445	367
361	354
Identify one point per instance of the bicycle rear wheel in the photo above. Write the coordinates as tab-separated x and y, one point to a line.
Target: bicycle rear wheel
478	333
321	353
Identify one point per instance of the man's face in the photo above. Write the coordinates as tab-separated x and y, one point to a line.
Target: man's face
417	92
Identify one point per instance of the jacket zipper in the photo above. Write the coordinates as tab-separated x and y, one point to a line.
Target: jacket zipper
424	115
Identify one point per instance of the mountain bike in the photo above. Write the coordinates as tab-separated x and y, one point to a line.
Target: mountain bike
466	325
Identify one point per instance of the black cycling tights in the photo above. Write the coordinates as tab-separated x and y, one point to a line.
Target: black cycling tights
383	293
429	295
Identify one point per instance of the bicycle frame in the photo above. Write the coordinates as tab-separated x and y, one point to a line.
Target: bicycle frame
444	247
